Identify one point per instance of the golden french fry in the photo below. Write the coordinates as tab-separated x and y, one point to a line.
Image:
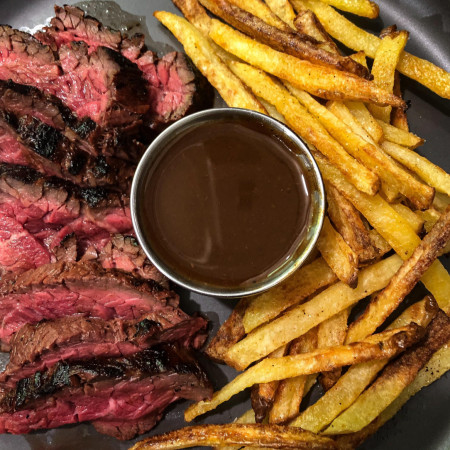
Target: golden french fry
367	121
203	56
398	115
300	319
402	282
380	346
266	436
273	112
359	376
303	283
426	73
415	222
398	136
358	57
348	222
391	226
364	8
441	201
325	82
383	68
429	172
379	242
307	126
290	392
338	254
283	9
195	13
394	379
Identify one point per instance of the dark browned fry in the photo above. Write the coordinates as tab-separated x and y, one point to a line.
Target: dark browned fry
295	44
231	331
254	435
262	397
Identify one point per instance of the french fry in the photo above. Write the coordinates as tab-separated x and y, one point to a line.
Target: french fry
367	121
202	54
290	392
383	68
379	242
426	73
307	23
263	395
438	365
265	436
338	255
283	9
303	283
308	127
380	346
348	222
324	82
359	376
295	44
402	282
231	331
395	377
331	333
419	194
195	13
273	112
425	169
300	319
429	217
391	226
364	8
398	115
415	222
441	201
400	137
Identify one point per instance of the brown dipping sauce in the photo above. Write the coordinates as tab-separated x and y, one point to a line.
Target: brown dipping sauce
227	204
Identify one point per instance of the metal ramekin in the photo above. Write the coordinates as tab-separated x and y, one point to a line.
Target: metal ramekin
311	172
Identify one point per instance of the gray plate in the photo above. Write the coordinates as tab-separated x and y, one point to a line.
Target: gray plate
424	422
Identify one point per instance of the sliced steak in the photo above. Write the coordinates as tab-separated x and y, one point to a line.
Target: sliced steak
122	142
35	348
103	85
62	289
175	87
25	140
113	392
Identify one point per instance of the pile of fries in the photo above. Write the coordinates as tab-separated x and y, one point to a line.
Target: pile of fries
387	222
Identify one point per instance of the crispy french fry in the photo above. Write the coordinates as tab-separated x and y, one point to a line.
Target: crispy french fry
359	376
291	391
338	254
395	377
303	283
391	226
398	179
283	9
202	54
380	346
426	73
266	436
300	319
383	69
231	331
195	13
307	23
364	8
438	365
308	127
379	242
429	172
295	44
348	222
398	115
325	82
330	333
367	121
400	137
402	282
263	395
415	222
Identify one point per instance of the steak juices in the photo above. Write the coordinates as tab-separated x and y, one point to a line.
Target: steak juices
226	203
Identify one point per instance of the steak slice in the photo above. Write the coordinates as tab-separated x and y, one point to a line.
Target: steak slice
35	348
122	142
114	392
175	87
85	289
27	141
103	85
